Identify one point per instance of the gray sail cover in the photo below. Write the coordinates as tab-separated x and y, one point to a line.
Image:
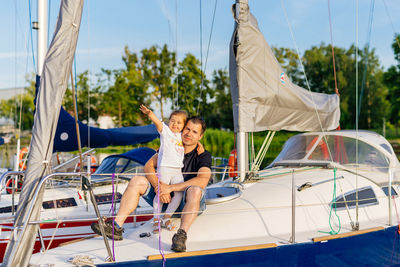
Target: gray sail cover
263	97
56	70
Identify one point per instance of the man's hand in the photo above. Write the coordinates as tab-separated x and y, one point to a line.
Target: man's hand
165	198
165	189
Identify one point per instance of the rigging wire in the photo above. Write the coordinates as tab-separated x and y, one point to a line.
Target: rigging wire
333	50
356	62
171	62
176	54
208	50
305	77
89	76
201	55
391	23
48	21
30	27
371	16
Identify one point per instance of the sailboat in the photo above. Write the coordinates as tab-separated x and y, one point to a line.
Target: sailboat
329	198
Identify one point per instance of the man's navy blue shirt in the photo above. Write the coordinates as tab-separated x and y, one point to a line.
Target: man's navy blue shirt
192	162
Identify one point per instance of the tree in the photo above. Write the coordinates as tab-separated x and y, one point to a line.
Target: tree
158	67
194	93
84	96
220	115
318	65
289	61
11	108
392	80
129	90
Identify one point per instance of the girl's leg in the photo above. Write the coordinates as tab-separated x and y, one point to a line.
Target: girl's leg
172	206
156	217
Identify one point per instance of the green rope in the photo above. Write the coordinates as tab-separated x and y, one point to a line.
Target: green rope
333	232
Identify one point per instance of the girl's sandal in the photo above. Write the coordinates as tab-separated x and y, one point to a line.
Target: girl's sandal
156	223
167	224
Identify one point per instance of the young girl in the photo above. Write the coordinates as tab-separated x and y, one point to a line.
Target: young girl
170	160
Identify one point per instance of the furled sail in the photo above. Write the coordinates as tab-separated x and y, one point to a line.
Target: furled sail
66	140
263	97
56	70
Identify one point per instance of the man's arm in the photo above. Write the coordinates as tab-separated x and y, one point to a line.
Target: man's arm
150	170
201	180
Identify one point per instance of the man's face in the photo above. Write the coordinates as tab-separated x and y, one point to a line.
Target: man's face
191	134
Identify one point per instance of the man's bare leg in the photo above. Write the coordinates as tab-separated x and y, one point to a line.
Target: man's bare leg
137	186
192	207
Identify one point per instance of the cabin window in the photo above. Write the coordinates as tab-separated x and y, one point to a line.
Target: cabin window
107	198
387	148
296	147
61	203
7	209
366	197
386	191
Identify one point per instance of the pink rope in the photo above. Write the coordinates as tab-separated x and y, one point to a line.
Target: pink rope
112	213
160	247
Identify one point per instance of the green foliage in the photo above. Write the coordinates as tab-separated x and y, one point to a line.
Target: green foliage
158	68
392	80
11	108
219	114
220	143
318	66
83	92
289	61
130	89
192	91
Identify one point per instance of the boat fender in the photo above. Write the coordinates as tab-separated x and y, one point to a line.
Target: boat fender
21	157
9	184
93	165
232	164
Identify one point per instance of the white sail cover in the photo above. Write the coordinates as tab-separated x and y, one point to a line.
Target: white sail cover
56	70
263	97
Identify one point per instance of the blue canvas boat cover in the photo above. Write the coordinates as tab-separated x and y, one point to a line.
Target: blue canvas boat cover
65	139
133	158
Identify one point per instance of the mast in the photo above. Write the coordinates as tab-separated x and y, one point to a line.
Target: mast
42	34
41	26
242	144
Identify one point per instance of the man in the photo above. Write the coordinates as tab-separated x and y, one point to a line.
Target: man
198	168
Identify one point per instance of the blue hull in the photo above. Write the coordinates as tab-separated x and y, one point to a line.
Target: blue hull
381	248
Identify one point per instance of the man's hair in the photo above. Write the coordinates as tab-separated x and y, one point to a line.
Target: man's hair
182	113
198	120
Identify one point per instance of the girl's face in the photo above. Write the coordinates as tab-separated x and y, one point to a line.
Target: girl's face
176	123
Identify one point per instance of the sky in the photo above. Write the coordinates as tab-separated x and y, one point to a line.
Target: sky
108	26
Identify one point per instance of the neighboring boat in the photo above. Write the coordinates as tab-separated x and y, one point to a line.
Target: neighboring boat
328	199
66	212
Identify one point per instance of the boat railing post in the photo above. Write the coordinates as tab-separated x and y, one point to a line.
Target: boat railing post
390	193
13	195
293	237
89	165
134	219
43	247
